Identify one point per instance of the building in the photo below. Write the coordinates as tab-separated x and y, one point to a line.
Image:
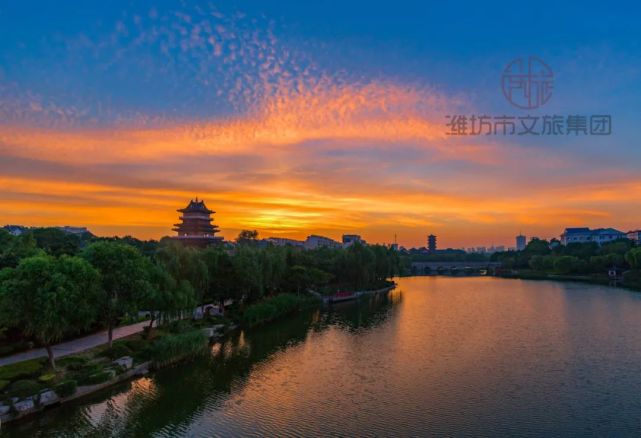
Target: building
196	228
74	230
431	243
282	241
350	239
586	235
15	230
521	242
634	235
314	241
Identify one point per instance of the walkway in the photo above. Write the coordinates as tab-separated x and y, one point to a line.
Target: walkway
75	345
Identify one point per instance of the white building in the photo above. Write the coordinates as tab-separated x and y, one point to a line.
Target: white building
586	235
15	230
314	241
281	241
634	235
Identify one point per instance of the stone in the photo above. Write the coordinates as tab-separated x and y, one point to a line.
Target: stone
126	362
4	409
24	406
48	397
208	332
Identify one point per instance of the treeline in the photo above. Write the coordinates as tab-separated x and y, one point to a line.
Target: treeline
54	285
581	259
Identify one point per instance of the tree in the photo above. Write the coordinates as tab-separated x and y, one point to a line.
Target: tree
185	264
124	277
247	273
247	237
633	257
302	277
565	264
537	247
49	298
16	248
167	298
56	242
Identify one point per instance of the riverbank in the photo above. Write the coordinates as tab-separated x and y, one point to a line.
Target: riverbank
31	388
590	279
336	298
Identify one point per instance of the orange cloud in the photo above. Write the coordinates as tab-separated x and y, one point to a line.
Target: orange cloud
370	158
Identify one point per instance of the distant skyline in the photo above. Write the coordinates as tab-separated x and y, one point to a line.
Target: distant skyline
325	119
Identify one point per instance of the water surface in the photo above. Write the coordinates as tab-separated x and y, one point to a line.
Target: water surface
438	356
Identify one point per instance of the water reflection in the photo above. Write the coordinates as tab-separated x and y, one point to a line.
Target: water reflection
438	356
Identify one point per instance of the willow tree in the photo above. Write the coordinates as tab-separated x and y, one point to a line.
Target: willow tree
124	280
49	298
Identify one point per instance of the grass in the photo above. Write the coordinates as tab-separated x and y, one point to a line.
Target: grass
177	347
20	370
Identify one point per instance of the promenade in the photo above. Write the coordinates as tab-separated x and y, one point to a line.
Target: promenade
75	345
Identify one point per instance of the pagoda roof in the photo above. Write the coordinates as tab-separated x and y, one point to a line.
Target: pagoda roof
196	206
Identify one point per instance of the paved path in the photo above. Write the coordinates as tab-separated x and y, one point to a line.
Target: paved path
75	345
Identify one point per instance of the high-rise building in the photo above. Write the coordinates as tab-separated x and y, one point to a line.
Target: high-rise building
520	242
196	228
431	243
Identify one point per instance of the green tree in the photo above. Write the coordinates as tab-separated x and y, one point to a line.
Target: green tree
168	298
565	264
247	237
49	298
16	248
124	277
247	274
633	257
56	242
185	264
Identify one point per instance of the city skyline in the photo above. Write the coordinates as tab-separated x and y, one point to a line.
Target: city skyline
295	121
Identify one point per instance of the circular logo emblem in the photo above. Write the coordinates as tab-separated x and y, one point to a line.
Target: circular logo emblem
527	83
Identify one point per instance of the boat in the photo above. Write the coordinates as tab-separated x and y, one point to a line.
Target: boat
343	296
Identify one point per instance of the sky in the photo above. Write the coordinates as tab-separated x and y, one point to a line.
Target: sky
327	117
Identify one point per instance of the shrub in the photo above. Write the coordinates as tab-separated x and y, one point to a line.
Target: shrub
118	349
272	308
66	388
47	377
23	388
180	326
174	348
632	279
3	384
135	344
83	374
20	370
73	363
98	377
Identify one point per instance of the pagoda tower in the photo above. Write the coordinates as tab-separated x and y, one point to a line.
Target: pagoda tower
196	228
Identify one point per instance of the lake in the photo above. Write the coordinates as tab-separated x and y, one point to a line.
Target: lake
474	356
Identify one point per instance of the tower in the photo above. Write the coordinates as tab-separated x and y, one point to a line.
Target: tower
431	243
195	227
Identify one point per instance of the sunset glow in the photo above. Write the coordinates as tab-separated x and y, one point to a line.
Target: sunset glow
276	138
